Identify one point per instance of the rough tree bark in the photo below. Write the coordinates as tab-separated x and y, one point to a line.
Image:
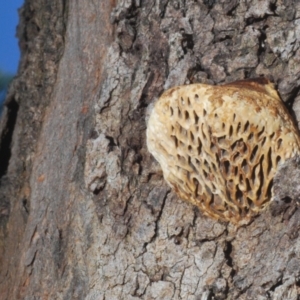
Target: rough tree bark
84	210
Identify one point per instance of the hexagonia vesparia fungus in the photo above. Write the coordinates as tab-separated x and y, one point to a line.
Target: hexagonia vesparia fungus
220	146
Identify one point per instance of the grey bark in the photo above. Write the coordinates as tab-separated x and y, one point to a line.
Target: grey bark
84	210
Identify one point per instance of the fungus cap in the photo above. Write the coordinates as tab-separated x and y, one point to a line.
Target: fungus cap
219	146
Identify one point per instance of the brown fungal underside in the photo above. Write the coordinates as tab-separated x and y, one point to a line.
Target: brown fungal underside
219	146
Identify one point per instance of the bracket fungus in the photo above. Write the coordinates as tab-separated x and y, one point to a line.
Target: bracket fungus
219	146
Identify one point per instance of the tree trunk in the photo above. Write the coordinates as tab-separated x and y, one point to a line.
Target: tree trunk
84	210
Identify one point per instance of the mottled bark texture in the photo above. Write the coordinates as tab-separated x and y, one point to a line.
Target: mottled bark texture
84	210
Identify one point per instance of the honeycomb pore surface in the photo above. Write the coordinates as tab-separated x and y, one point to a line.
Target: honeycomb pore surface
219	146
